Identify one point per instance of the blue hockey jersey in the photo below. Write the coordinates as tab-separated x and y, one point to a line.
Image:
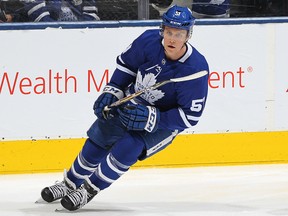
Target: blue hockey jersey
60	10
144	63
211	7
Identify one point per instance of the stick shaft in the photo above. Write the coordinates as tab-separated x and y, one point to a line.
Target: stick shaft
155	86
136	94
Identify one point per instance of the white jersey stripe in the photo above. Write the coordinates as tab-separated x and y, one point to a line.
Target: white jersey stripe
120	59
41	16
193	118
92	15
125	70
35	8
184	118
90	8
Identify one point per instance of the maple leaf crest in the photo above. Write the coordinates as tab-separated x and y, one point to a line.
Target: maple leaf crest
149	79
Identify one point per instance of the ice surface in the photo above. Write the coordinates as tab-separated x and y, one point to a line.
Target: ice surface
210	191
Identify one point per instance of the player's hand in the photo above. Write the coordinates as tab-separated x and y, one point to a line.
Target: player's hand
139	117
110	94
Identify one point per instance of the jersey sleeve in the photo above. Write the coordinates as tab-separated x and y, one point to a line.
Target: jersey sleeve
191	98
86	11
211	7
37	11
90	10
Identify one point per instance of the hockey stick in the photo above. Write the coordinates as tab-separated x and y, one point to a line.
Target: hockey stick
155	86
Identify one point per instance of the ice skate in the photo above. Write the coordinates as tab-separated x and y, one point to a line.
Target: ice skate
78	198
58	190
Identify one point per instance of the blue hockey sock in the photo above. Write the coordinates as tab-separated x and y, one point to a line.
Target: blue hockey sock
86	162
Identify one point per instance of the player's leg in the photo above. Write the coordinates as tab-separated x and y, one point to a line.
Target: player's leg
105	134
83	166
102	135
121	157
86	162
127	151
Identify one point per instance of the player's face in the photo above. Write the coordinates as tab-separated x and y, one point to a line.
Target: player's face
174	40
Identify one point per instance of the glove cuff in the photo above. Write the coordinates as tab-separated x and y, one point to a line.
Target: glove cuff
153	119
111	89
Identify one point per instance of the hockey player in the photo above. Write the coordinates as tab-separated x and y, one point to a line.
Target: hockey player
10	11
145	125
60	10
211	8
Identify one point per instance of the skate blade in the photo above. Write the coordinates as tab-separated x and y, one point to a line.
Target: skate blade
40	201
61	210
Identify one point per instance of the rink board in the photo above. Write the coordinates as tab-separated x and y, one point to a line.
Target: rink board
47	99
186	150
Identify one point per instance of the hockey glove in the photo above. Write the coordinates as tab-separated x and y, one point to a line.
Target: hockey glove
139	117
110	94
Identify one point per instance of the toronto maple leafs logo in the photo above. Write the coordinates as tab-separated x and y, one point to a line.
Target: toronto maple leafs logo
149	79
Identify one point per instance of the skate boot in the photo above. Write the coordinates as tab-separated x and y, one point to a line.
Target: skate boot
78	198
58	190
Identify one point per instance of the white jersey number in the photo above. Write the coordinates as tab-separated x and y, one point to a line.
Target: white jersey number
197	105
